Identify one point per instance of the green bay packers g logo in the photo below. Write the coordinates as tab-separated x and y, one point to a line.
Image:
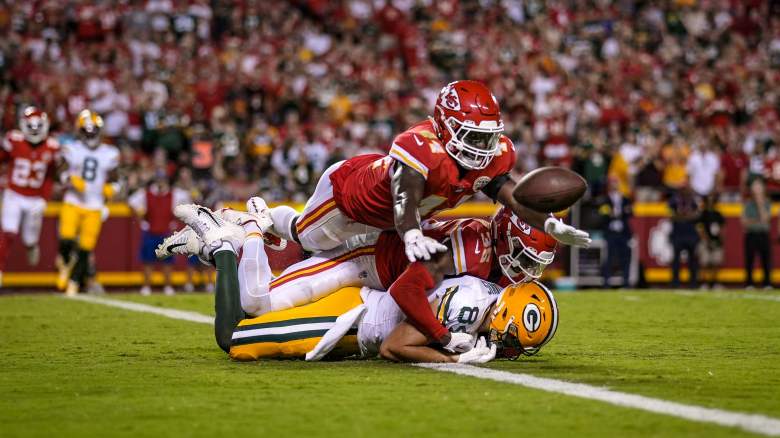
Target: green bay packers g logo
531	317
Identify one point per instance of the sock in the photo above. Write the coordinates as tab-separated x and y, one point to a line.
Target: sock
409	292
284	218
254	277
227	302
6	241
80	270
66	249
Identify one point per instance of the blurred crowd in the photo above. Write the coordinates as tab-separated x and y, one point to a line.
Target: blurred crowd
231	98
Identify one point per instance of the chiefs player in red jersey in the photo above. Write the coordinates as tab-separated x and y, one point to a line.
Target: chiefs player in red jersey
504	251
433	166
32	158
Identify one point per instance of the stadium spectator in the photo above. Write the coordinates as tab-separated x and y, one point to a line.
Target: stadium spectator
756	216
710	249
703	167
616	211
154	207
212	83
685	213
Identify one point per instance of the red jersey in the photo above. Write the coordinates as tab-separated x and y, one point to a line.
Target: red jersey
472	248
31	168
361	185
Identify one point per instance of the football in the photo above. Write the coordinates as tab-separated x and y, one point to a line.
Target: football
550	189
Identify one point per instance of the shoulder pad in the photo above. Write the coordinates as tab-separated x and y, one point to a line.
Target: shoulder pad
15	135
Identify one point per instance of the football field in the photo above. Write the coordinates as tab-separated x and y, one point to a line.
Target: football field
89	368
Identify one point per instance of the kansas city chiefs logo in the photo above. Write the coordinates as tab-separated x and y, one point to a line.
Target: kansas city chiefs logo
450	99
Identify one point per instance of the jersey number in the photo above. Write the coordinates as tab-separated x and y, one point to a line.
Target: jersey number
89	170
28	173
466	317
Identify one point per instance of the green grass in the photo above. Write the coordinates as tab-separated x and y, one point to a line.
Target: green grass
79	369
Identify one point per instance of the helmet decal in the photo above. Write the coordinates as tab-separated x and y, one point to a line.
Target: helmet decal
531	317
450	100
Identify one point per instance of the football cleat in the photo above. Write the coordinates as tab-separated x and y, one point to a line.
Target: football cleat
183	242
257	206
72	289
211	227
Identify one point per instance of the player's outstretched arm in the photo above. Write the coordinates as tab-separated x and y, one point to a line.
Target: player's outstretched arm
408	187
407	344
566	234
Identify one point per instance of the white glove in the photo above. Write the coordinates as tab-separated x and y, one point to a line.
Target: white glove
481	353
566	234
460	342
419	247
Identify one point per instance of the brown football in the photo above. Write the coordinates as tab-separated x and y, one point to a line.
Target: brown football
550	189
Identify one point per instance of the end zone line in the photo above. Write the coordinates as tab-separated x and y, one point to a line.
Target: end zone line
750	422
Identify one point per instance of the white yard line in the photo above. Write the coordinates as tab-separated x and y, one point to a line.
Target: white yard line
750	422
145	308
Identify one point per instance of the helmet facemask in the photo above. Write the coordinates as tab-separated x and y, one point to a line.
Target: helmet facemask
35	128
523	261
471	146
90	133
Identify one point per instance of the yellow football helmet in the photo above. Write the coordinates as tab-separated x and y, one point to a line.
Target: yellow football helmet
88	127
524	318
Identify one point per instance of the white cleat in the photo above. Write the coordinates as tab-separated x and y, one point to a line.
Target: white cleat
169	291
257	206
213	230
146	291
183	242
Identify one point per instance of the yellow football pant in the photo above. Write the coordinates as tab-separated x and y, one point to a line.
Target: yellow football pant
85	223
293	332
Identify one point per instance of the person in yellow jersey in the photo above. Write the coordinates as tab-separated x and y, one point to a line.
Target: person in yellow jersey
517	320
91	180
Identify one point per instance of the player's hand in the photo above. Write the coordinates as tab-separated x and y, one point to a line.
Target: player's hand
566	234
481	353
419	247
459	342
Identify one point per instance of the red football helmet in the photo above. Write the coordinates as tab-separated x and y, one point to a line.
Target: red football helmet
469	123
522	250
34	124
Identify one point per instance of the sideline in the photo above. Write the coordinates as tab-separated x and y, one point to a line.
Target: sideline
750	422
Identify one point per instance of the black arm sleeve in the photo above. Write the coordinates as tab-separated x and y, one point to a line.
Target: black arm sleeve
492	188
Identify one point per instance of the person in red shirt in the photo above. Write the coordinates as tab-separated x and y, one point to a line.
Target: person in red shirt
33	158
154	206
733	163
433	166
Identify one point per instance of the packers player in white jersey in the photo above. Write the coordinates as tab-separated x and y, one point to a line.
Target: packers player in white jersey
519	319
91	180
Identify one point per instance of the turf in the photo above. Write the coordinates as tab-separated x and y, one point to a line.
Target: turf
79	369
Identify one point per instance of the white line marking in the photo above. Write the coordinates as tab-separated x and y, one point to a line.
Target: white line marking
750	422
727	295
138	307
